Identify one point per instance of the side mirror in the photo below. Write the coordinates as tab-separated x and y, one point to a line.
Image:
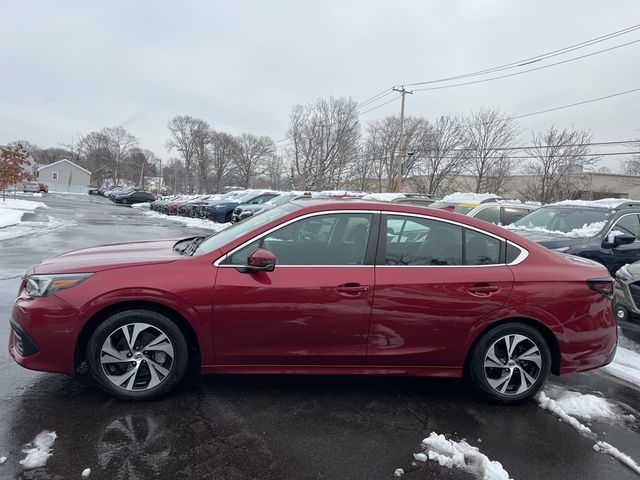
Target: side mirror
260	260
619	239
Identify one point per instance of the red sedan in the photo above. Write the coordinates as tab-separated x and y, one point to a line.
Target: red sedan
325	287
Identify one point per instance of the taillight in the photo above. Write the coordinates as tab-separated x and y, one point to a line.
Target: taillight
604	286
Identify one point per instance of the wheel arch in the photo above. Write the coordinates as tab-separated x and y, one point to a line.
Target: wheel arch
545	331
95	320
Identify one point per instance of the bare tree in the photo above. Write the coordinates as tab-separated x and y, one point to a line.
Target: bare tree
324	138
251	157
119	142
186	132
560	157
486	134
274	172
632	166
381	149
439	160
224	148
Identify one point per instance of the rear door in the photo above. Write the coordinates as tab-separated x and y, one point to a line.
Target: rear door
435	281
313	309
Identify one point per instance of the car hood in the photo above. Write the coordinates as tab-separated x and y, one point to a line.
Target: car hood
107	257
551	240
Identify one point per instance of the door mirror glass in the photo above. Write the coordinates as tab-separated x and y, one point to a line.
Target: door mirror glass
616	239
260	260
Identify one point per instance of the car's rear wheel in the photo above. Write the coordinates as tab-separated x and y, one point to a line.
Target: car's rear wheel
137	355
510	363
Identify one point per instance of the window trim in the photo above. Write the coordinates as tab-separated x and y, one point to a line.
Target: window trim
372	244
615	222
54	175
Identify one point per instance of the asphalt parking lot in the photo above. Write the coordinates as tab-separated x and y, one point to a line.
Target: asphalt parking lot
274	427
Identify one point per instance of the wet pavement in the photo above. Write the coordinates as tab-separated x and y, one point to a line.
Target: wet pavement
272	427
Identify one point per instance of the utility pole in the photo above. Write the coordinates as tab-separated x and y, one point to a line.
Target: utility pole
401	152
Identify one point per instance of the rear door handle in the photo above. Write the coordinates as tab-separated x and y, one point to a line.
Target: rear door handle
352	289
483	289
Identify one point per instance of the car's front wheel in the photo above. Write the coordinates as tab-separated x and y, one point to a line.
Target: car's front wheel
137	355
510	363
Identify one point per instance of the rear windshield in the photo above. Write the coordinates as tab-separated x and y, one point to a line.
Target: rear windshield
563	219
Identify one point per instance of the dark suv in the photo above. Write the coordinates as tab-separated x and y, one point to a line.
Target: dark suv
607	231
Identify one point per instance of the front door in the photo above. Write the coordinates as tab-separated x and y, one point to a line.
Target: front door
313	309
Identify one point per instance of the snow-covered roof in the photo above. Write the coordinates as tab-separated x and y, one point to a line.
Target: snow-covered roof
384	197
462	197
604	203
339	193
44	167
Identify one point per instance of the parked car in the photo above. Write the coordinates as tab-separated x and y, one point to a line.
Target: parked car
320	286
607	231
134	197
627	300
242	212
35	187
93	190
221	211
502	212
464	202
104	190
187	209
406	198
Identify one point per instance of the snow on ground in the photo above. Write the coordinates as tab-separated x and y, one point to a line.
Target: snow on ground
587	406
11	210
191	222
142	206
384	197
586	231
625	365
461	455
27	228
38	455
463	197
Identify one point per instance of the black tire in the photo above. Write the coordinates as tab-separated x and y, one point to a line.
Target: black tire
227	218
621	313
510	368
111	329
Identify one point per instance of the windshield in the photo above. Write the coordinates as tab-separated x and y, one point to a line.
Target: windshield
564	220
239	229
280	200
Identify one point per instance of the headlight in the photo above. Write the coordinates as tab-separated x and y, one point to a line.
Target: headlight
45	285
624	274
561	249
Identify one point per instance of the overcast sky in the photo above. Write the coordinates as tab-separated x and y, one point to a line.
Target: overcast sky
75	66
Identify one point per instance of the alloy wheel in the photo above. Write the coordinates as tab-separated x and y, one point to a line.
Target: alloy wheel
512	364
137	357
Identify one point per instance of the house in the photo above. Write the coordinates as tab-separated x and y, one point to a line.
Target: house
65	176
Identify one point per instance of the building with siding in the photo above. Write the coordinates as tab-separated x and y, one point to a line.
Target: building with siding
65	176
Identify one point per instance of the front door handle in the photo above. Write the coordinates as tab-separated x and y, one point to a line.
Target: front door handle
352	289
483	289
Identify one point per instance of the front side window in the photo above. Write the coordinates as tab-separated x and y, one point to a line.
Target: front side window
335	239
511	214
421	241
628	225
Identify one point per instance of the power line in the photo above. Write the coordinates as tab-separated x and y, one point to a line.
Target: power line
537	58
382	94
573	59
381	105
574	104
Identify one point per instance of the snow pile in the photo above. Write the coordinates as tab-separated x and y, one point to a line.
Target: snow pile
142	206
384	197
2	460
190	222
86	472
586	406
603	203
586	231
612	451
462	197
463	456
11	210
398	473
625	365
41	451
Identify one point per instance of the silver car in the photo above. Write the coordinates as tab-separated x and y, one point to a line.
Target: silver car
627	298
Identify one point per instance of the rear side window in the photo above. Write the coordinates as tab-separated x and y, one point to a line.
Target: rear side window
511	214
421	241
489	214
481	249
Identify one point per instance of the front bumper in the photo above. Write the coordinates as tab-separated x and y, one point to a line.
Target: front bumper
44	332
